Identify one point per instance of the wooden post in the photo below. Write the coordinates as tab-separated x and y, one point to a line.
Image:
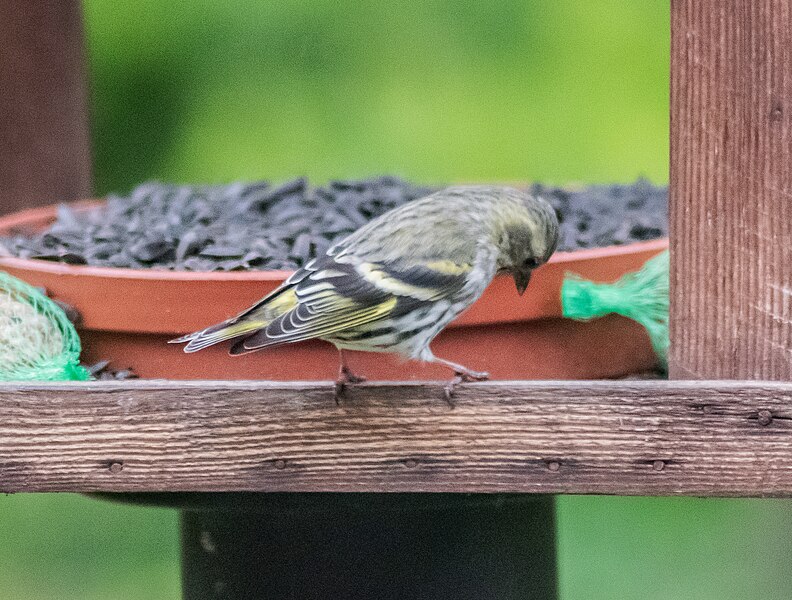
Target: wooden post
731	189
44	141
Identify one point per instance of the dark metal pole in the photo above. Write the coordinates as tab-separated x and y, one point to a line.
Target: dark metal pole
369	546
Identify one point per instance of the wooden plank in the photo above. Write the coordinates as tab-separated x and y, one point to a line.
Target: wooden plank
43	104
641	437
731	189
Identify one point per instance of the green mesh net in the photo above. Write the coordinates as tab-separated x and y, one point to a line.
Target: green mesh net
37	340
641	296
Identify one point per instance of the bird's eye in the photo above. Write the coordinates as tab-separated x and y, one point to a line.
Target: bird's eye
531	263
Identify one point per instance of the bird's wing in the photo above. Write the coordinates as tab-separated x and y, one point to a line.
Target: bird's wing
333	296
252	319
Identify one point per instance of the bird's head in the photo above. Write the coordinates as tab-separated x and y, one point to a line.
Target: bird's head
526	236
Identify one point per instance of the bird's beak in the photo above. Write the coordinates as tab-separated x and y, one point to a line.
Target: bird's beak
521	279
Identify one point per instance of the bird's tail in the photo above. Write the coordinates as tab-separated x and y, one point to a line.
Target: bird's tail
250	321
227	330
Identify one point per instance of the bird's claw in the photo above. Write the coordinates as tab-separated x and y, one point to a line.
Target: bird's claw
340	386
461	377
448	390
345	377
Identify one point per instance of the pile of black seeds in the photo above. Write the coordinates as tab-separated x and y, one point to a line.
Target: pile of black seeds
608	215
262	226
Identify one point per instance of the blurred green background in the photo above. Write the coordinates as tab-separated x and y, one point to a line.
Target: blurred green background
436	91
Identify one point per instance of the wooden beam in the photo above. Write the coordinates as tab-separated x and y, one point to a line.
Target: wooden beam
731	189
43	104
645	437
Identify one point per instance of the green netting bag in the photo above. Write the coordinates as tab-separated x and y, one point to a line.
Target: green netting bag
641	296
37	340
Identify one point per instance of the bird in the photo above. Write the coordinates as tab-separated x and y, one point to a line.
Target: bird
396	282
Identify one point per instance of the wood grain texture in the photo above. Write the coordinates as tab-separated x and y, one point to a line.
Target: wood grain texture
43	104
731	189
641	437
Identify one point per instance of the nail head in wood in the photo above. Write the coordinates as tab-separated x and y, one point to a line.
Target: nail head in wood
765	417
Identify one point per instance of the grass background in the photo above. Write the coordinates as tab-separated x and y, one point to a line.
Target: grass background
436	91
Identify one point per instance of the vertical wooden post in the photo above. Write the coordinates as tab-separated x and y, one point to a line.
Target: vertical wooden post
44	141
731	189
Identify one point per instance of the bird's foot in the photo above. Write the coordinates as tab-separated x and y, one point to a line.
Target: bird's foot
461	377
348	376
345	377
